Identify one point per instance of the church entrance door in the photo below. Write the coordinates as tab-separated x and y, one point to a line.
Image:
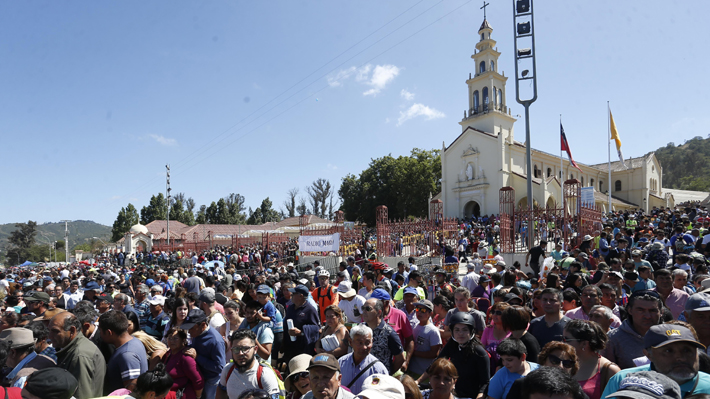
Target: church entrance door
472	208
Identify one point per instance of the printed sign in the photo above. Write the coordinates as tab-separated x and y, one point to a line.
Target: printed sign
319	243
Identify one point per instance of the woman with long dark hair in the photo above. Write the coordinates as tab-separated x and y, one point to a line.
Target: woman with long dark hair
468	356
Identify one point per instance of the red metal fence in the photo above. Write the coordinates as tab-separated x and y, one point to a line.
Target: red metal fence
565	224
416	237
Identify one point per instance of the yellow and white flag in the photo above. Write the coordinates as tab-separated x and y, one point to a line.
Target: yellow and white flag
615	137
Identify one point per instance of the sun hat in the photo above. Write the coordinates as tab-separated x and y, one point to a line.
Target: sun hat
298	364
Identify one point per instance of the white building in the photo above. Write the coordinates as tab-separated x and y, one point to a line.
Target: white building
486	156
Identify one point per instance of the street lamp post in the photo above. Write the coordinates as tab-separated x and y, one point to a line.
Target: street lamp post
523	31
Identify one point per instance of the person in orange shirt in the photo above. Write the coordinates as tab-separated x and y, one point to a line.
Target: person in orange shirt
324	295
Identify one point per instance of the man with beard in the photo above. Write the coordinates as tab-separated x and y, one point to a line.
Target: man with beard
246	372
673	352
262	330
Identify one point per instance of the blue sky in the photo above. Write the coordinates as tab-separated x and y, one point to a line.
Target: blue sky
258	97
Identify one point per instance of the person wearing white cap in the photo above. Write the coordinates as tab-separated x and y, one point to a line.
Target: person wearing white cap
381	386
350	302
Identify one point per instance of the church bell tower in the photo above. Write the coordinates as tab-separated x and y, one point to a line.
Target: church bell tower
487	105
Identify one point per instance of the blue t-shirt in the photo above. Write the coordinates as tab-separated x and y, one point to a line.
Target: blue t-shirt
127	363
277	321
502	381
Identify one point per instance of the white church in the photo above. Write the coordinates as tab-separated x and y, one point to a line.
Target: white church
486	156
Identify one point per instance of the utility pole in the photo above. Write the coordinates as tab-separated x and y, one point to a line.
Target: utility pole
66	239
523	32
167	195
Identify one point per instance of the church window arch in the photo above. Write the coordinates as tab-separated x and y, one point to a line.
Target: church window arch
617	185
650	184
549	172
485	95
483	36
475	101
482	67
535	171
500	96
493	66
591	182
601	185
495	96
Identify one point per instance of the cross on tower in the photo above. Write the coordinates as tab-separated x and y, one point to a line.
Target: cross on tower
484	8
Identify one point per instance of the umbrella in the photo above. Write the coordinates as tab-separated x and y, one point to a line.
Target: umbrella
212	264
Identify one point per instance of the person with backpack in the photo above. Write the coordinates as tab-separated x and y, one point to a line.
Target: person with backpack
247	371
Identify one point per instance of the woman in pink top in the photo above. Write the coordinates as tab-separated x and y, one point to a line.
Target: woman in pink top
495	333
588	338
181	367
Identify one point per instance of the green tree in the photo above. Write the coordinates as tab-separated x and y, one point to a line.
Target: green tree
21	240
157	209
403	184
126	218
319	195
201	217
263	214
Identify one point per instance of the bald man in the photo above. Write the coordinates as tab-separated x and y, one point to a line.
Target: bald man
76	354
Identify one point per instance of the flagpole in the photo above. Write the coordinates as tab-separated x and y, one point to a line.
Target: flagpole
562	189
608	145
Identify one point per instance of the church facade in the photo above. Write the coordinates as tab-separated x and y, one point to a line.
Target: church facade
486	156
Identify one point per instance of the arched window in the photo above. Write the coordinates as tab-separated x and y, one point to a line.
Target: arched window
475	101
591	182
482	67
485	95
535	171
493	66
650	184
601	185
549	172
617	185
500	96
495	96
582	181
483	36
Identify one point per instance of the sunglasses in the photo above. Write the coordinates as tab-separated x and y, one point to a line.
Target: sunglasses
556	361
422	310
255	394
367	308
302	374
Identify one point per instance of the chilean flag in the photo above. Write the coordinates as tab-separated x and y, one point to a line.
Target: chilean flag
565	147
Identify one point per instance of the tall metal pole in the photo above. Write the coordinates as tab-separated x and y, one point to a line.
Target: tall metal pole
66	240
608	145
167	195
523	31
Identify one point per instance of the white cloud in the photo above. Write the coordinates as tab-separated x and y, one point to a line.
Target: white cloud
418	110
162	140
407	95
343	74
381	75
363	73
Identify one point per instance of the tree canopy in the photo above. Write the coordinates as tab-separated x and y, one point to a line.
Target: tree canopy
687	166
403	184
126	218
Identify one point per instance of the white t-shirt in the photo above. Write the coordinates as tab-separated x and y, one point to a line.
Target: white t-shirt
239	382
363	293
349	307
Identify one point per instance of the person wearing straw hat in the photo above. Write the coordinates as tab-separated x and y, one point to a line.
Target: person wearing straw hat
298	382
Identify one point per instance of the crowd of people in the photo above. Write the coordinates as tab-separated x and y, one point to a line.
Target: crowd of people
626	313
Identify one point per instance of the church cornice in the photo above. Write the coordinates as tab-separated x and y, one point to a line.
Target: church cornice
486	75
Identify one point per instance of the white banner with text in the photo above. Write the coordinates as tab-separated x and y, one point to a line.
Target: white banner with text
319	243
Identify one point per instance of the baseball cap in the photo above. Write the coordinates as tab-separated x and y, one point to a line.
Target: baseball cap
157	300
470	266
263	289
104	296
512	297
410	290
194	317
36	296
324	360
647	385
425	304
52	383
484	279
92	285
150	282
300	289
380	294
699	302
207	296
381	386
664	334
631	276
18	337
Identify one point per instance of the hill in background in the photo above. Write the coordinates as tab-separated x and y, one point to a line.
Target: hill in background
686	166
80	231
